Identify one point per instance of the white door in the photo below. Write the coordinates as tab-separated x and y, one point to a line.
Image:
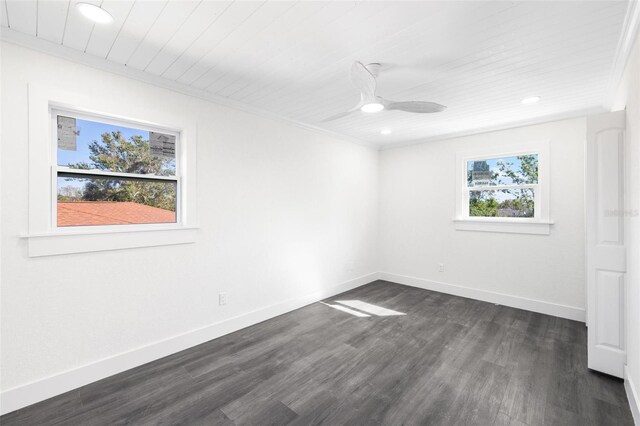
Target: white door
606	252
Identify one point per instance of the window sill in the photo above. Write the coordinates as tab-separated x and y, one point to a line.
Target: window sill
538	227
84	241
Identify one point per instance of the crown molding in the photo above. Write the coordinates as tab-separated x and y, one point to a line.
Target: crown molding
623	51
506	126
64	52
625	44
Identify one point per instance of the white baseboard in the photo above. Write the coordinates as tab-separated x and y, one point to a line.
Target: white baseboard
633	396
557	310
30	393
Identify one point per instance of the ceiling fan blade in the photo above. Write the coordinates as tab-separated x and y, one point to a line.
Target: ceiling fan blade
362	78
414	106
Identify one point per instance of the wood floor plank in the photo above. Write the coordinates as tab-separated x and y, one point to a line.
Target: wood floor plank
448	361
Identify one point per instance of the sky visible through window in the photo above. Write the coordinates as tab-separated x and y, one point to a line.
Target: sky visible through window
494	167
88	132
497	174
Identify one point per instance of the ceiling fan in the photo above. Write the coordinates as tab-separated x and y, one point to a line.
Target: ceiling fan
364	78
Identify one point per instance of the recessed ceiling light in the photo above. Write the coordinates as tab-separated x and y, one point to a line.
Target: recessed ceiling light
385	131
95	13
530	100
372	107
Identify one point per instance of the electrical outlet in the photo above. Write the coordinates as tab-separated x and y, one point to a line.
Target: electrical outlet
440	267
222	298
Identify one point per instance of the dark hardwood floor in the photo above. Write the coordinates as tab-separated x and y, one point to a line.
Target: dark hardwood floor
448	361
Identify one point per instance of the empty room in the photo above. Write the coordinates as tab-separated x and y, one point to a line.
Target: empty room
230	212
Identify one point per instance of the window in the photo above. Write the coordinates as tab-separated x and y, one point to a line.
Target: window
149	200
114	173
504	189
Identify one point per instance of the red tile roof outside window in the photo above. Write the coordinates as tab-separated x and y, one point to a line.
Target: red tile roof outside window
92	213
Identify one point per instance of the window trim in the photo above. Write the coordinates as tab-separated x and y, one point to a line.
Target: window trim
539	224
45	239
56	170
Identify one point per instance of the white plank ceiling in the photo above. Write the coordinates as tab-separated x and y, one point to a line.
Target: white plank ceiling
292	58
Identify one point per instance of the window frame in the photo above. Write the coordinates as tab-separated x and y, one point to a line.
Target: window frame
41	236
57	169
538	224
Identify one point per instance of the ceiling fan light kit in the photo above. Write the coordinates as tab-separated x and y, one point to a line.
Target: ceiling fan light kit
365	80
372	107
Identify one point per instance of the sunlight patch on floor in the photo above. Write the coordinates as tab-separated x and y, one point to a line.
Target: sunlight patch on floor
347	310
363	309
369	308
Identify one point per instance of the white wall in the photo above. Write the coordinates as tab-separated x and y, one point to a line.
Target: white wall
417	198
629	96
282	210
